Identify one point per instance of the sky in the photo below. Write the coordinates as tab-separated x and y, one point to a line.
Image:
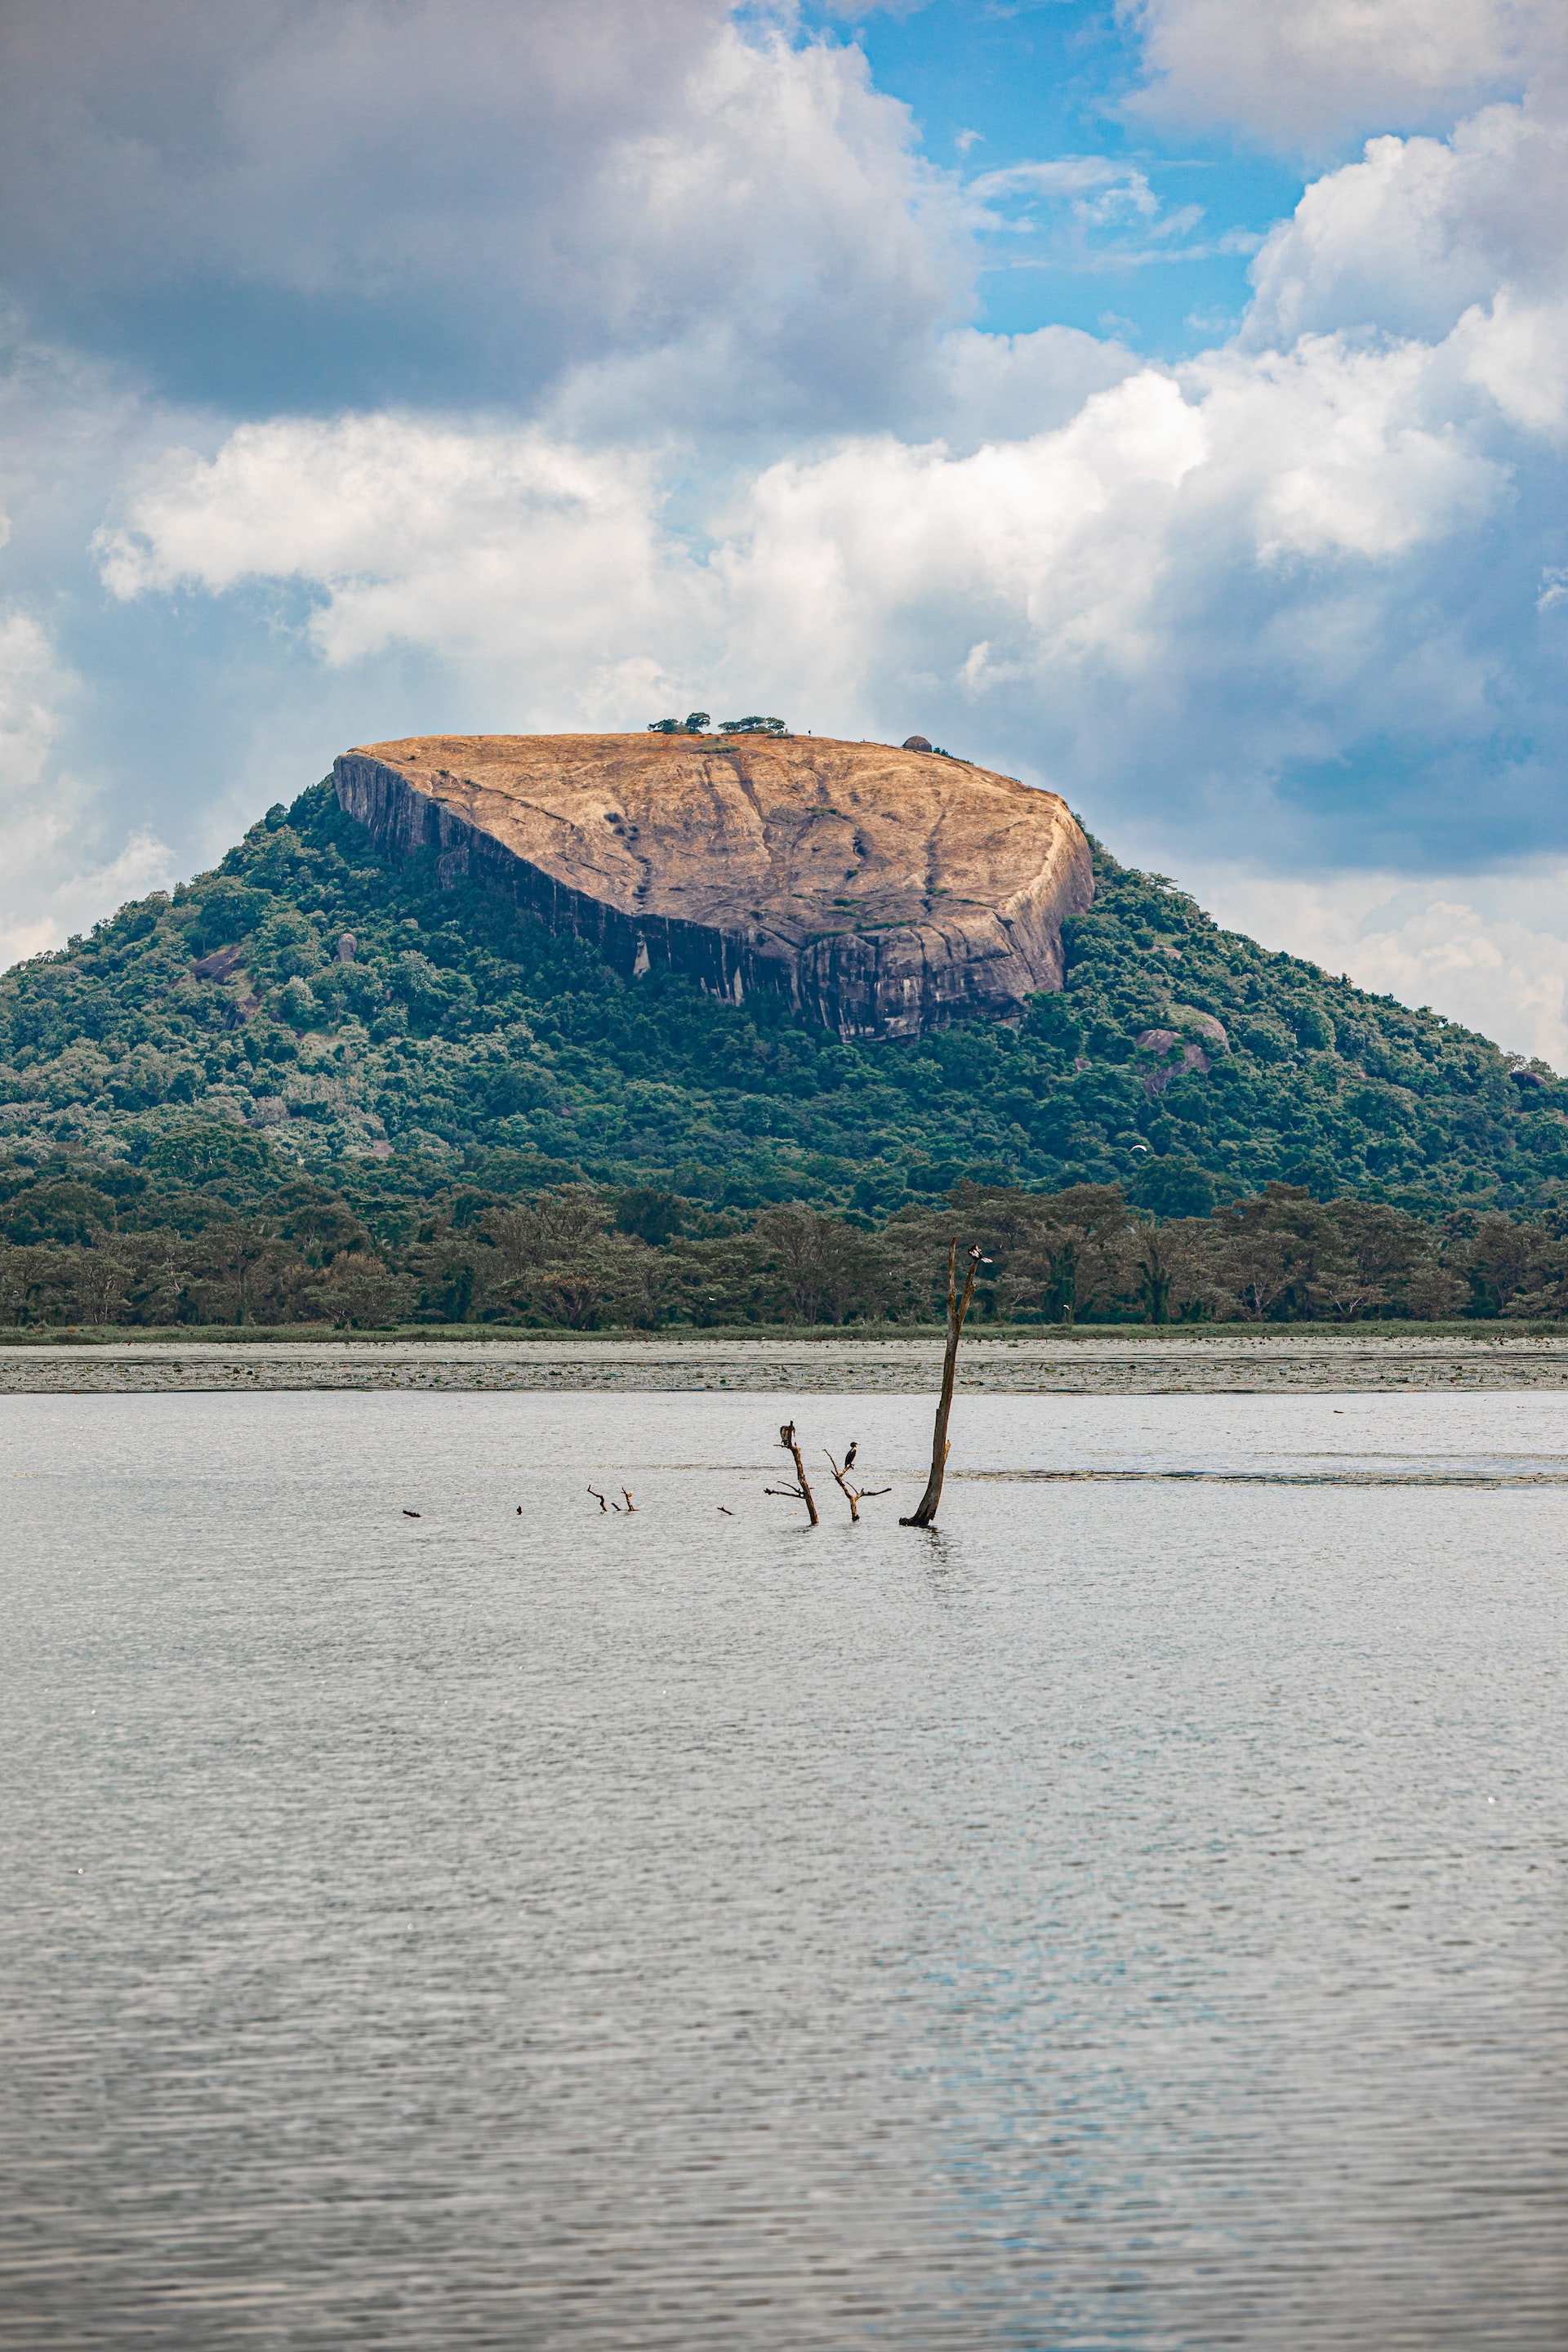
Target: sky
1163	401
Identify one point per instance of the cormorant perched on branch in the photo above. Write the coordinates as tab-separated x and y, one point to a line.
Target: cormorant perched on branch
850	1457
786	1434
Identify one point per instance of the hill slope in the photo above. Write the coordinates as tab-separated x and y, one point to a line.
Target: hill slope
223	1022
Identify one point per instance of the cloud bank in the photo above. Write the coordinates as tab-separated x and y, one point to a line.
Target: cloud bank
1242	591
665	395
462	200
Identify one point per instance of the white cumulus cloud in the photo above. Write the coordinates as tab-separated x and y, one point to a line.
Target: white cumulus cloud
1241	536
45	815
1308	73
1421	229
494	544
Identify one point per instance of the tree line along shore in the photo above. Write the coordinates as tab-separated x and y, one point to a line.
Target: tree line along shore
113	1248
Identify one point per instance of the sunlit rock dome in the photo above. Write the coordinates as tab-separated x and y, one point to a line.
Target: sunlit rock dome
882	891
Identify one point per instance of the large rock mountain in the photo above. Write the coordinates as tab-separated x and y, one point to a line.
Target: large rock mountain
319	1004
885	893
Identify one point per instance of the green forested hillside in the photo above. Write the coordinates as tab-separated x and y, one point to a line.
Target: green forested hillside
214	1046
458	1030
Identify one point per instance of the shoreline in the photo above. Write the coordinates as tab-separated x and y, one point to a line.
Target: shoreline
1104	1360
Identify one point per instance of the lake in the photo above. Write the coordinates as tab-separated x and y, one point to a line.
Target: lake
1130	1915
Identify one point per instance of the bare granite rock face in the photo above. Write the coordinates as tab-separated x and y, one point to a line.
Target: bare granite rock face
882	892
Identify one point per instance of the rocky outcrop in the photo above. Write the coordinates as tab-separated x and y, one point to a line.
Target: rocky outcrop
882	892
1191	1024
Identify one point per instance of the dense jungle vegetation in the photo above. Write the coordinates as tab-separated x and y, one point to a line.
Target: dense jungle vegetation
120	1248
310	1085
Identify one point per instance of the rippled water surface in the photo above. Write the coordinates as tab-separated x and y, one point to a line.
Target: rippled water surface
1131	1916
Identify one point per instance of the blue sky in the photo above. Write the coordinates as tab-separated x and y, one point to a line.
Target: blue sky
1165	402
992	89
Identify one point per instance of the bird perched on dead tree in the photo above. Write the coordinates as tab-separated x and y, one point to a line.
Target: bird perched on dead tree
850	1457
853	1495
800	1492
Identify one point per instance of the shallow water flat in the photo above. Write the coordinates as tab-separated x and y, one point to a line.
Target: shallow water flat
1130	1916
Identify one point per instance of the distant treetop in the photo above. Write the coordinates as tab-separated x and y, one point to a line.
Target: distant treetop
697	721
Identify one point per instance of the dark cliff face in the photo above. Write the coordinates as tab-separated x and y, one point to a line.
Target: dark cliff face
883	893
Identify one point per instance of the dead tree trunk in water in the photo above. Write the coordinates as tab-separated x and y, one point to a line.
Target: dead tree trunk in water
806	1494
957	1309
802	1493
